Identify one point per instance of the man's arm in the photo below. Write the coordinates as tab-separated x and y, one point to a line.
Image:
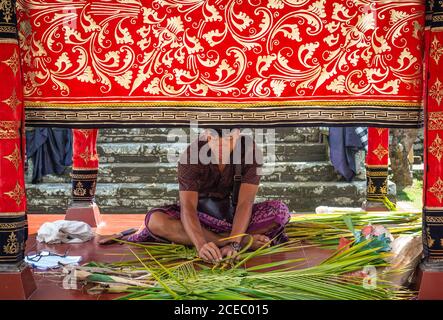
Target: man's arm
188	213
189	218
243	212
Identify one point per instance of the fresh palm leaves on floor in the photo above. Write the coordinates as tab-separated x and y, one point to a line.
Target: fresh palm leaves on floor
326	229
328	280
171	271
170	254
155	261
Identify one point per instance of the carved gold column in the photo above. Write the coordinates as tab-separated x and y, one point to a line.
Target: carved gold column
84	165
16	281
84	177
432	268
377	169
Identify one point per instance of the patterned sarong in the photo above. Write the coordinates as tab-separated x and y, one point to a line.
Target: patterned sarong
264	214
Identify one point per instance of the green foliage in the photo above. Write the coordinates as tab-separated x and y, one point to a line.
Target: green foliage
412	194
328	280
174	271
326	229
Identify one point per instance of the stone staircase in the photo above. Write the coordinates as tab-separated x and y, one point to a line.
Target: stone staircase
135	174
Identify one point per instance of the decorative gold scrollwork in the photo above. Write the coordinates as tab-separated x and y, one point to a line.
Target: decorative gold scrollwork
14	157
429	238
79	190
13	62
12	247
12	101
437	189
384	187
436	91
16	194
380	152
436	148
372	189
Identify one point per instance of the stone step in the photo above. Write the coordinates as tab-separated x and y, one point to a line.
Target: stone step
306	196
158	152
160	135
167	173
418	171
138	197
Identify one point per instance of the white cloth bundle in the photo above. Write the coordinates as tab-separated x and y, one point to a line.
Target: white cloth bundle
64	231
326	209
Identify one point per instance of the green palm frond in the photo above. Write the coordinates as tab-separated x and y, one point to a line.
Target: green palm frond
330	279
325	230
175	271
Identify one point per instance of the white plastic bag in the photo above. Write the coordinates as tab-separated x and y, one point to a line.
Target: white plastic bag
406	254
64	231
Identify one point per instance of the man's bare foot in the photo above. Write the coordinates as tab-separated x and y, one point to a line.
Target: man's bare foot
258	241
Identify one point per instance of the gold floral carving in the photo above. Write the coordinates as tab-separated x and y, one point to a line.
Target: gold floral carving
384	187
85	132
12	247
85	155
371	187
437	189
14	157
435	120
7	9
436	148
9	129
436	50
13	62
380	131
436	91
429	238
16	194
88	156
79	190
380	152
166	39
12	101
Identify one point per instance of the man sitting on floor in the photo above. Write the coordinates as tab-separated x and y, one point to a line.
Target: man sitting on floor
218	177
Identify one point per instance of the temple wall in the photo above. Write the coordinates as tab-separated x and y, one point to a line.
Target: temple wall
135	174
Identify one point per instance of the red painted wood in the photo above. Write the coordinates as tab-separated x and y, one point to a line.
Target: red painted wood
17	285
431	280
377	159
89	213
13	285
84	149
431	285
378	147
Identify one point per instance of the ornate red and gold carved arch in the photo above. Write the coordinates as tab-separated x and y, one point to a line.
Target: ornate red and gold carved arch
90	64
259	63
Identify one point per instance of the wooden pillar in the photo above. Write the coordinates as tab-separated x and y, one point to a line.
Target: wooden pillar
377	169
84	177
431	284
16	280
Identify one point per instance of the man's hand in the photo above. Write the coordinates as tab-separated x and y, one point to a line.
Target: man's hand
210	252
229	252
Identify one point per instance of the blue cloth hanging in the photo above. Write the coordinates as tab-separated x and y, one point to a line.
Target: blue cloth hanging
50	150
344	143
